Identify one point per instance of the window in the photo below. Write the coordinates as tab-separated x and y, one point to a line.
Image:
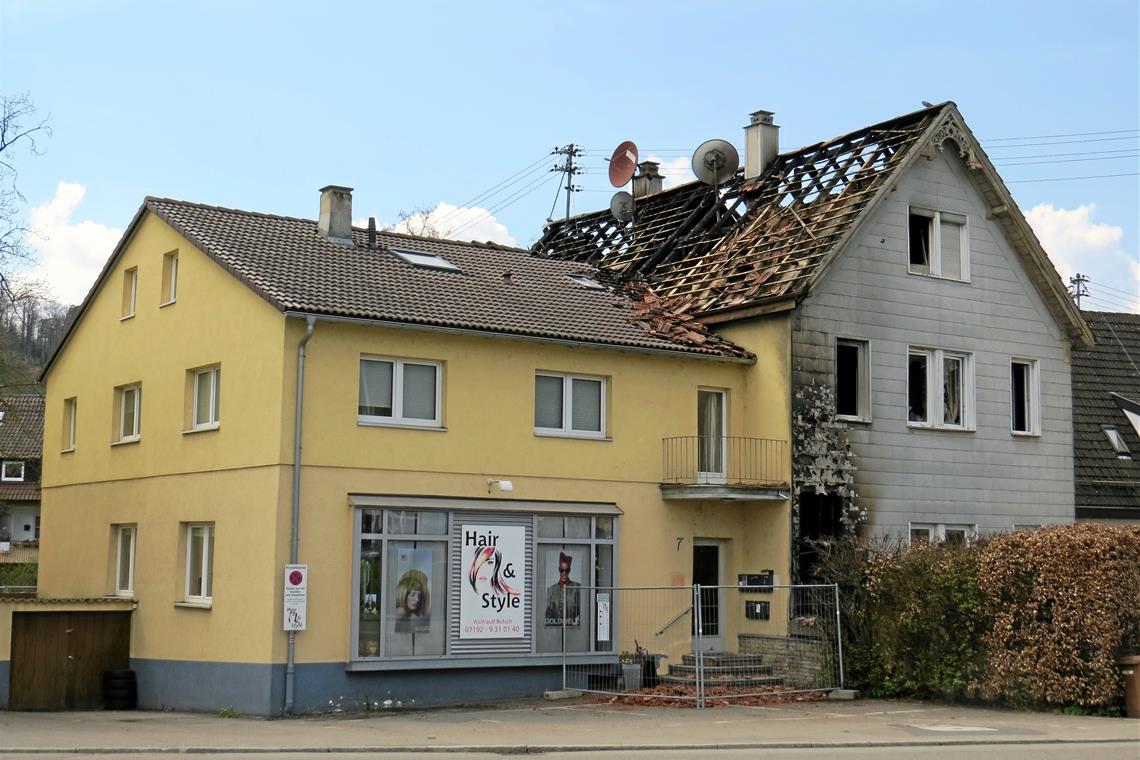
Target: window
130	291
399	391
938	244
712	424
952	372
199	562
586	281
128	412
12	471
572	405
70	419
125	560
425	260
1117	442
410	564
169	279
1024	398
852	379
207	393
943	532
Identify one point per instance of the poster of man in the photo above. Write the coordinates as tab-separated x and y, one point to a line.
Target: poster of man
565	588
413	591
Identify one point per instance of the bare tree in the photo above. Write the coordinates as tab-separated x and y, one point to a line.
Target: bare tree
19	129
419	222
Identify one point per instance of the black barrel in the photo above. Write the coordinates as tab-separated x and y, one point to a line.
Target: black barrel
120	690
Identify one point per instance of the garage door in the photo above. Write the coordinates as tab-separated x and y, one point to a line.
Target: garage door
58	658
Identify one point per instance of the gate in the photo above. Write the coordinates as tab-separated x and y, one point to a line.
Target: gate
58	658
648	643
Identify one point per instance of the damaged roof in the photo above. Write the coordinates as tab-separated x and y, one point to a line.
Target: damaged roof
487	288
764	241
1106	395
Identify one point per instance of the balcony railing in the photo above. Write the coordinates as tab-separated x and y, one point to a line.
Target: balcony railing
724	461
19	567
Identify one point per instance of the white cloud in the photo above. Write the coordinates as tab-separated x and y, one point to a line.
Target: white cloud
1076	243
452	222
677	171
71	254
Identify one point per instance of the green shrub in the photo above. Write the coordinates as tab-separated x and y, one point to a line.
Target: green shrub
18	574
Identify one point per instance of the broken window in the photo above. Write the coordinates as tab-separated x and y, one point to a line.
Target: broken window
1117	442
1023	395
938	244
916	388
852	379
952	390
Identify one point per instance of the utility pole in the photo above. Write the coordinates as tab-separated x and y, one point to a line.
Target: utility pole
1077	285
571	152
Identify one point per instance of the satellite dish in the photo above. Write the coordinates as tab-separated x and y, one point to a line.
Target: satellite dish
715	161
621	206
623	163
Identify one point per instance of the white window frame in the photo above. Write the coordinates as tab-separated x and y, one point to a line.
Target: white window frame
397	418
16	478
937	531
71	412
170	280
567	430
120	531
863	389
207	594
131	285
212	421
1032	397
934	259
935	377
135	434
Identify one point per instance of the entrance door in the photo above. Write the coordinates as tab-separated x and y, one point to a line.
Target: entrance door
707	573
58	658
710	436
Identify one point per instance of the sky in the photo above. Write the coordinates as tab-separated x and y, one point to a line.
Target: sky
453	108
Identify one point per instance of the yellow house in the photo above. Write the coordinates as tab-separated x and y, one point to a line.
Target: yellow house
413	440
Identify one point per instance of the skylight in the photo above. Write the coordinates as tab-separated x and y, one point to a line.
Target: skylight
425	260
1118	444
586	281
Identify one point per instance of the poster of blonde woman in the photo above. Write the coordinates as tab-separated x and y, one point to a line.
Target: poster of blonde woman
413	591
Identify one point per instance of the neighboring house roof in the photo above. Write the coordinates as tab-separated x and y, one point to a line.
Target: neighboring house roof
761	243
1106	389
21	427
498	289
19	492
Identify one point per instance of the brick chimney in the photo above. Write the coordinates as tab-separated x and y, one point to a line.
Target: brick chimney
335	221
761	144
647	180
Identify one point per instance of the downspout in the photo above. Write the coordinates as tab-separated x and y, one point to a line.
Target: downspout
290	662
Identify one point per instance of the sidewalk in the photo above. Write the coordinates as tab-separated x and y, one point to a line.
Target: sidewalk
552	726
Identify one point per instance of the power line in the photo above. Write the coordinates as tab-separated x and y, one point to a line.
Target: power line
1115	290
1070	134
511	180
1064	160
1062	179
510	200
1072	153
1115	304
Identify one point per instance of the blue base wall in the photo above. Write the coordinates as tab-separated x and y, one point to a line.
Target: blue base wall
323	687
4	685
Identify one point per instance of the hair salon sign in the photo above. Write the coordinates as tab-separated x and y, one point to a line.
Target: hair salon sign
491	603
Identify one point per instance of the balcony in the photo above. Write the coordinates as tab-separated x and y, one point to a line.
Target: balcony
725	468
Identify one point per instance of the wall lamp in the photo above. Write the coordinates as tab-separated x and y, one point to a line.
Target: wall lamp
505	486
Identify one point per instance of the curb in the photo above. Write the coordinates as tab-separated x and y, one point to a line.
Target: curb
538	749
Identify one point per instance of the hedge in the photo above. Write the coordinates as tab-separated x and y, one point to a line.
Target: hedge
1029	619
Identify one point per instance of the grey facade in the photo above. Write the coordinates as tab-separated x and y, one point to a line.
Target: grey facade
984	476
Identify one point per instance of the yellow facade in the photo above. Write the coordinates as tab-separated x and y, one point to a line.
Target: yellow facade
238	476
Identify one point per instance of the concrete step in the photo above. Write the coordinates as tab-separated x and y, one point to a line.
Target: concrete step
690	671
724	680
725	660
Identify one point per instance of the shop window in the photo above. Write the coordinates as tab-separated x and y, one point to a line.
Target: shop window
410	564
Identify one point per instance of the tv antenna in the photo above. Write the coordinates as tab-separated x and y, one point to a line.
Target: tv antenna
714	162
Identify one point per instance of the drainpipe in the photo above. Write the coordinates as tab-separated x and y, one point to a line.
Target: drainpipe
290	662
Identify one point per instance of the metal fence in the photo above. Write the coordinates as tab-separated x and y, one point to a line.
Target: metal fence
745	642
727	460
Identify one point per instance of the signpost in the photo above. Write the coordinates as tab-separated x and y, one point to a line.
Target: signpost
296	596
